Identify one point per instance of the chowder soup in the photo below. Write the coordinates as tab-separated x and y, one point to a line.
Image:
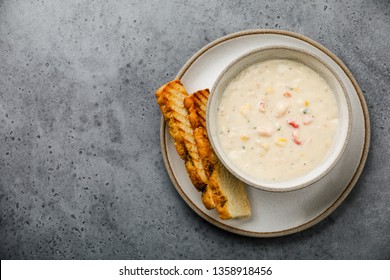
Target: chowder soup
277	120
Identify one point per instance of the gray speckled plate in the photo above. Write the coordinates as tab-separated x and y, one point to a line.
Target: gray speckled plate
273	213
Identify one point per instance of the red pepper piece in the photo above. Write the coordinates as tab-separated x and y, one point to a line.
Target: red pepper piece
293	124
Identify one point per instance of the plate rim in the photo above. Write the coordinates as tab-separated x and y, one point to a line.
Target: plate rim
348	188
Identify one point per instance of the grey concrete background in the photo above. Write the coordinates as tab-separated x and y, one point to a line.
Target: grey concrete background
81	172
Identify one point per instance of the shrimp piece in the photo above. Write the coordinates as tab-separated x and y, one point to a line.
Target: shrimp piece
308	119
280	109
265	131
296	139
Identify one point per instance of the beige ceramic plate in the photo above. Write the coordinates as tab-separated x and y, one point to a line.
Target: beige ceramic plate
273	214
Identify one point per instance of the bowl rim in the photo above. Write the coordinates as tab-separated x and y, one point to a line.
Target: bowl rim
340	151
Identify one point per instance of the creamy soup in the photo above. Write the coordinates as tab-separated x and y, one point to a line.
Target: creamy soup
277	120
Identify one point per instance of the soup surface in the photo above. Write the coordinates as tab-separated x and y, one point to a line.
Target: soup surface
277	120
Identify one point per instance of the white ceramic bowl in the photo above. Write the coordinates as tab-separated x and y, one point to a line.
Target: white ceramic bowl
315	63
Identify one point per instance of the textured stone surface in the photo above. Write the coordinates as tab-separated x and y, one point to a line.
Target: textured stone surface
81	172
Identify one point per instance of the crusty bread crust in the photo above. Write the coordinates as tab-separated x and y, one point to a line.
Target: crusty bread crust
207	197
171	97
196	104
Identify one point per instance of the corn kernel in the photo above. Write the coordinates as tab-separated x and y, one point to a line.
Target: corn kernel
245	109
264	146
269	90
296	89
281	142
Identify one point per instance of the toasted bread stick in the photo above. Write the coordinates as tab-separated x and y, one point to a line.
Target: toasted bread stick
196	104
171	97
